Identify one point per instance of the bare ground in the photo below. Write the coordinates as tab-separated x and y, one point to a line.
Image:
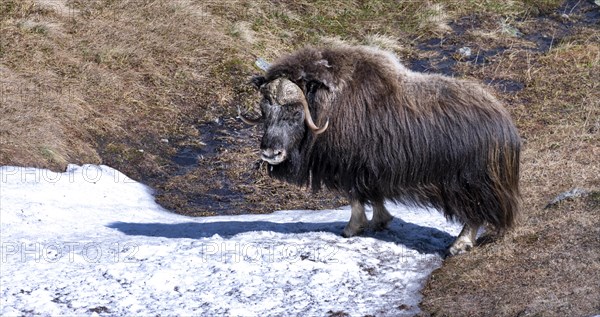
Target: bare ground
151	88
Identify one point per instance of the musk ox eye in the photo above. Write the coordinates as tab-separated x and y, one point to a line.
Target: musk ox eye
311	89
312	86
269	99
258	81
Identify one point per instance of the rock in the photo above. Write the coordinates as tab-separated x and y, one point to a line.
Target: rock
262	64
510	30
464	52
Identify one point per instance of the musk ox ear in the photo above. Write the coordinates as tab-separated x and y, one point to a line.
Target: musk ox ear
324	73
258	81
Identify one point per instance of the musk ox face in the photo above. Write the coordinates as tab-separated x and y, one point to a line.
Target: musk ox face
285	116
283	120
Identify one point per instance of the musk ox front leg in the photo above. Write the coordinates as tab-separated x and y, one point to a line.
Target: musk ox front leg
381	216
358	220
465	240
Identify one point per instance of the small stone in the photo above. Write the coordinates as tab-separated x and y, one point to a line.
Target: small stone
573	193
510	30
465	52
262	64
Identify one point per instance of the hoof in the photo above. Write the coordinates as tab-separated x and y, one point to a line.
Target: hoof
380	225
352	231
465	240
460	247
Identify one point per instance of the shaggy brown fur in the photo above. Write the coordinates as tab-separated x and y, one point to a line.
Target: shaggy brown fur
421	139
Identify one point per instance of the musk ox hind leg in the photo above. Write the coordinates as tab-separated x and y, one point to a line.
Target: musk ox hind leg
358	220
465	240
381	216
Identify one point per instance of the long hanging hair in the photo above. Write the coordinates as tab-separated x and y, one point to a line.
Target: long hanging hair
421	139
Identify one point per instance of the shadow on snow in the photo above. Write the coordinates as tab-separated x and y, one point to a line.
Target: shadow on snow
423	239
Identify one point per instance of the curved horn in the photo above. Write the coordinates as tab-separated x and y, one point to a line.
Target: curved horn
288	91
309	121
246	119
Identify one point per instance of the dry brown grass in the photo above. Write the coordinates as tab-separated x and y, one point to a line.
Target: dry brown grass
132	72
548	267
105	81
124	73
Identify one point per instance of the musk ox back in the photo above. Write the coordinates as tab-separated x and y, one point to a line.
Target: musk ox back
355	120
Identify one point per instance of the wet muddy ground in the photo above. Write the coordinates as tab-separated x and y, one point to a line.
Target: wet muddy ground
537	35
218	171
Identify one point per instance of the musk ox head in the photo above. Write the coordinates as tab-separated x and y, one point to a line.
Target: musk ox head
285	115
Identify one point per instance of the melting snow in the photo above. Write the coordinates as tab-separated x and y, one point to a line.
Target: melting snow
91	241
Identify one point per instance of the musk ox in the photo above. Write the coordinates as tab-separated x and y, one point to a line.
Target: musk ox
354	119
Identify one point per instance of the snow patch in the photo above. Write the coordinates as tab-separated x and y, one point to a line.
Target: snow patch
91	241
